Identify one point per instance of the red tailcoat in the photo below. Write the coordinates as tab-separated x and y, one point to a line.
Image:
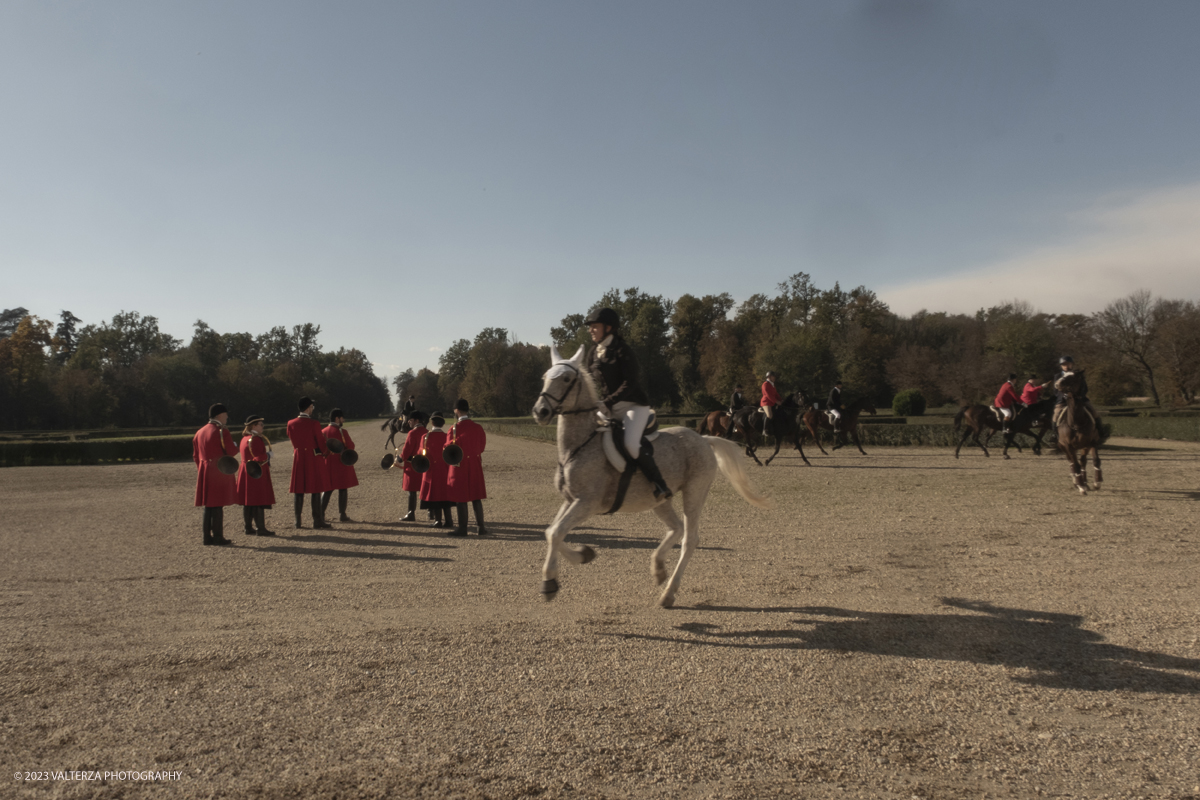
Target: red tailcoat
254	491
341	476
213	487
1031	394
770	395
412	446
309	471
433	482
1007	396
465	481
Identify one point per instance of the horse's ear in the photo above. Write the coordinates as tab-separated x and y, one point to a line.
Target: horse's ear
577	359
554	356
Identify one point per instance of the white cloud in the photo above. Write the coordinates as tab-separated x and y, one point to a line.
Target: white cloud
1126	243
435	349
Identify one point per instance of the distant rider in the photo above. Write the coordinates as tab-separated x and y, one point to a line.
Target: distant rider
770	399
1067	364
614	367
835	405
1006	401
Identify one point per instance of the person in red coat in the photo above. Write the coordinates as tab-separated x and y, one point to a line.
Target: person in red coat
1032	393
770	399
412	478
310	474
341	476
214	489
256	495
435	495
465	481
1006	401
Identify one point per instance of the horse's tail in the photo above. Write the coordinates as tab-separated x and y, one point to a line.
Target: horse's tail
703	425
958	418
386	423
729	459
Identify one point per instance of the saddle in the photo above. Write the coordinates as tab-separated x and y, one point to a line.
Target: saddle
613	440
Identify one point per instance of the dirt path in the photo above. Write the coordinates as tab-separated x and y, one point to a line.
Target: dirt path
901	625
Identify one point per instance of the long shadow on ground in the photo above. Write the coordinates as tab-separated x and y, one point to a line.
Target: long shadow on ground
1055	648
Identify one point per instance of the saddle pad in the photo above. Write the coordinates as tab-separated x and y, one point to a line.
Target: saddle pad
610	449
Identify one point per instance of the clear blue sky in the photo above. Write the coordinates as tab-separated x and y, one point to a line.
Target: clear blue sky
406	174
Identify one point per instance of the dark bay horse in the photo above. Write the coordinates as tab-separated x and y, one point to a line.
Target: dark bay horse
749	422
1078	432
394	425
816	420
1039	416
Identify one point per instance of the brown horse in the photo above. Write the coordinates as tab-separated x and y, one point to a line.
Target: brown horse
715	423
977	419
1037	416
1078	432
394	425
816	420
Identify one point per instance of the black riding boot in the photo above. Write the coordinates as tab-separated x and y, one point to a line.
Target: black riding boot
436	515
478	506
260	517
207	526
248	519
218	526
318	513
325	502
299	510
343	501
411	516
650	470
461	530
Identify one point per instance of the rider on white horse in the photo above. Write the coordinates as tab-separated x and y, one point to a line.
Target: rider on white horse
614	367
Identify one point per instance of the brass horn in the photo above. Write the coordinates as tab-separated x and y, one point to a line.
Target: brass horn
254	469
349	457
420	463
387	461
334	445
228	465
452	454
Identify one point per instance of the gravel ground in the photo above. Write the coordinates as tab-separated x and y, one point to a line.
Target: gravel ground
901	625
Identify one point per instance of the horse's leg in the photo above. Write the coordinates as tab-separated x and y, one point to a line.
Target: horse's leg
693	502
982	445
962	441
857	443
778	442
667	514
815	431
570	514
800	445
1097	477
1077	475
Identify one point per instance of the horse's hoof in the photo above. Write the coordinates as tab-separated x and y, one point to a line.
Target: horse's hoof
550	589
587	554
1007	456
666	601
660	574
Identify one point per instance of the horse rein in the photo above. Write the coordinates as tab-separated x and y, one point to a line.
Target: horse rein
560	400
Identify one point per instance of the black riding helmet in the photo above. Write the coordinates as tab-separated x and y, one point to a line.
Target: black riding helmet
603	316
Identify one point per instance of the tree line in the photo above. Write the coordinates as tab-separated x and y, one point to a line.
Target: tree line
127	373
694	350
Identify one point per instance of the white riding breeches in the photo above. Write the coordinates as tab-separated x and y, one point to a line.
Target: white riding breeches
1006	413
833	412
634	418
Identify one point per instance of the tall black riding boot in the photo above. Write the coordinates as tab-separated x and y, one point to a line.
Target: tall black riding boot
218	526
461	530
411	516
325	501
343	501
260	516
478	506
318	513
207	526
299	510
650	470
248	519
436	515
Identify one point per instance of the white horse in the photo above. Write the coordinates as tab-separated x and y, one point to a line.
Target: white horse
588	482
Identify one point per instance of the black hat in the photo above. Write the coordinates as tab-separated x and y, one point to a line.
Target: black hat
1065	359
1012	376
335	413
253	418
437	419
462	405
419	416
304	402
603	316
217	408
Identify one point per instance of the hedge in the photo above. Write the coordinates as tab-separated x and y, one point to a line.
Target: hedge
101	451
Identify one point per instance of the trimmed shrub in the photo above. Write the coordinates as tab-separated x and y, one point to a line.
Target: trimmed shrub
909	403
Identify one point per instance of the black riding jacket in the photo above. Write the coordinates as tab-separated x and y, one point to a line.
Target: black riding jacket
1081	395
736	401
835	398
616	374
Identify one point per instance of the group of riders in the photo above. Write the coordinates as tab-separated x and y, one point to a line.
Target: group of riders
772	398
1009	403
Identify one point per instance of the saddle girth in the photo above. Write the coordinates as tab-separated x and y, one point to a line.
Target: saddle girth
618	439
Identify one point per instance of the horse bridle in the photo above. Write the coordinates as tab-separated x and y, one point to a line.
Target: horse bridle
560	400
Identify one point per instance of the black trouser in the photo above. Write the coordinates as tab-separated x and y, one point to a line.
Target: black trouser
477	505
318	517
213	523
343	500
